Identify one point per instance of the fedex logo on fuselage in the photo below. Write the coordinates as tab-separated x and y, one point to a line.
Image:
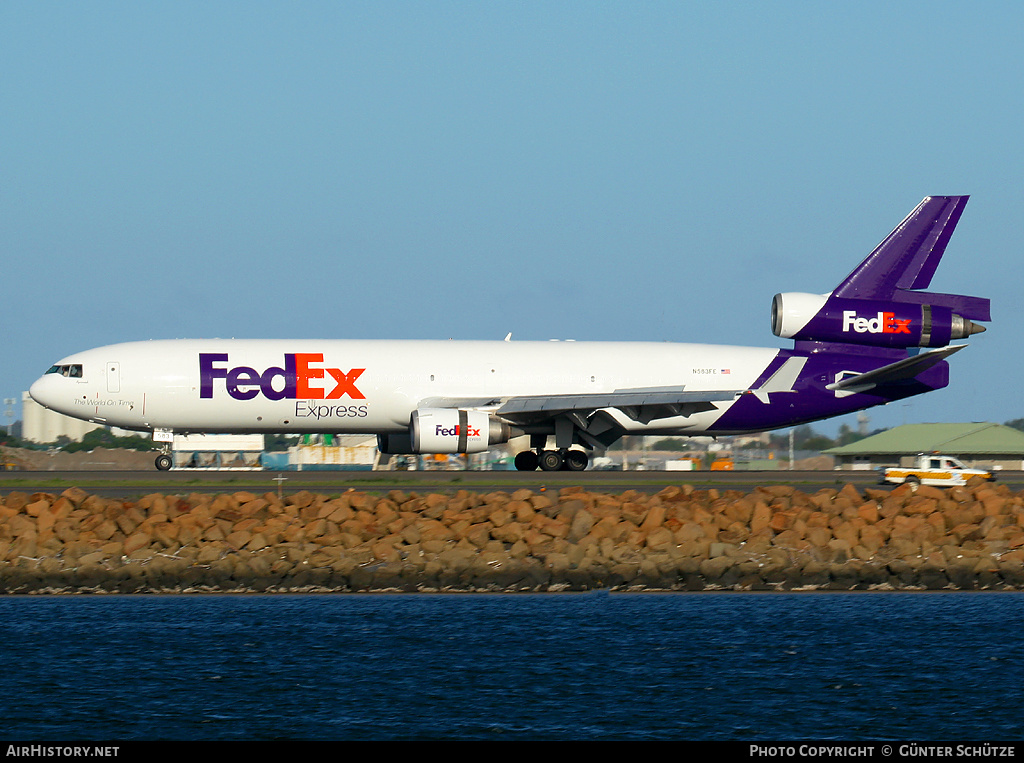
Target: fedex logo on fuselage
297	379
884	323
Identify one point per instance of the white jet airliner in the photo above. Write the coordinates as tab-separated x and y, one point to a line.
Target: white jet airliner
855	347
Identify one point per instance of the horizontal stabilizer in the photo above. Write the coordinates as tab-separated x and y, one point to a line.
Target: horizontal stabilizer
972	308
899	371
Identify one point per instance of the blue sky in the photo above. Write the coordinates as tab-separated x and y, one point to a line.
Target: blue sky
583	170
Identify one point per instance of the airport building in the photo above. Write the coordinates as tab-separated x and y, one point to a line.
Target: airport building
42	425
982	445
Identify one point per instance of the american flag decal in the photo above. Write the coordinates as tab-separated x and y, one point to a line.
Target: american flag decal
726	370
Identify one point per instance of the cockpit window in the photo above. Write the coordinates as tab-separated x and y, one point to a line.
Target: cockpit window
72	370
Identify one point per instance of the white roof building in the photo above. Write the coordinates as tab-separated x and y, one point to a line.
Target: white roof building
42	425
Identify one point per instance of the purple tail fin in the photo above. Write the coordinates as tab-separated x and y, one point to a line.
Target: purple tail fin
878	306
907	258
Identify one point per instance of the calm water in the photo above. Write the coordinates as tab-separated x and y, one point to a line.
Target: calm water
872	666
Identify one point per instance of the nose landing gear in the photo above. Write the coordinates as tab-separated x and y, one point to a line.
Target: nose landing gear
165	437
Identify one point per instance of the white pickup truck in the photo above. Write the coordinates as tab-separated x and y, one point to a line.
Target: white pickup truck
942	471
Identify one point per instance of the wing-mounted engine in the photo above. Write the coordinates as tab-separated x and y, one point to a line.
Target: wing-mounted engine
446	430
879	323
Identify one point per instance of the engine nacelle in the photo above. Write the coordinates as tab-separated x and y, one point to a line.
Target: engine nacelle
823	318
446	430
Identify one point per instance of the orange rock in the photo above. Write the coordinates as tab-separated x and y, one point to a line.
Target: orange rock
125	524
781	521
906	527
105	530
301	499
137	541
819	536
45	519
75	494
736	533
869	512
16	500
479	534
20	525
920	504
511	532
257	542
937	522
760	518
238	539
37	507
655	518
500	516
659	539
634	512
994	505
581	525
965	532
930	491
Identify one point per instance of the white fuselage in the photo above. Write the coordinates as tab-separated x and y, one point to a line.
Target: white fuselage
367	386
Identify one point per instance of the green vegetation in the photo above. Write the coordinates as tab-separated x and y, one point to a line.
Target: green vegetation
278	442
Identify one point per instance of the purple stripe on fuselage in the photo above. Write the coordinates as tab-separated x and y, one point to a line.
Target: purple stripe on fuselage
811	401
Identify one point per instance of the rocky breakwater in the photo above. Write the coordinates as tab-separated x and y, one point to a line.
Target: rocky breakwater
680	539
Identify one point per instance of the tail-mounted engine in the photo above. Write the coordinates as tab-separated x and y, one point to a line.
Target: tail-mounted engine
824	318
446	430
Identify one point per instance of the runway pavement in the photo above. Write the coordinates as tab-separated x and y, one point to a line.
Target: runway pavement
128	483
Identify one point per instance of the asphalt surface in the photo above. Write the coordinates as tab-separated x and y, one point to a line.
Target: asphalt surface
128	483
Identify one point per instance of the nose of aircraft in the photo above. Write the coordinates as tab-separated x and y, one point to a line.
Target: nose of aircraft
43	390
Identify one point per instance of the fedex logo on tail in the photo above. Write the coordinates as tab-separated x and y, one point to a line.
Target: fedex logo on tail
883	323
299	378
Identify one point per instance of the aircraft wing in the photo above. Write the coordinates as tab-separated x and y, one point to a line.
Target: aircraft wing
640	404
899	371
643	404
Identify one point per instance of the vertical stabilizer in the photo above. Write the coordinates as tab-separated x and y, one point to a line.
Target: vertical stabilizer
907	257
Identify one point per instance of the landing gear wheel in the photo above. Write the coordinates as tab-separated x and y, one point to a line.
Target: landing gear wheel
163	462
526	461
551	461
576	460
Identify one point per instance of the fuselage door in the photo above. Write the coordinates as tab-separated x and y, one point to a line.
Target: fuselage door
113	377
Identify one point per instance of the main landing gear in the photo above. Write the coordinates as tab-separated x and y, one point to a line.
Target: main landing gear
563	459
